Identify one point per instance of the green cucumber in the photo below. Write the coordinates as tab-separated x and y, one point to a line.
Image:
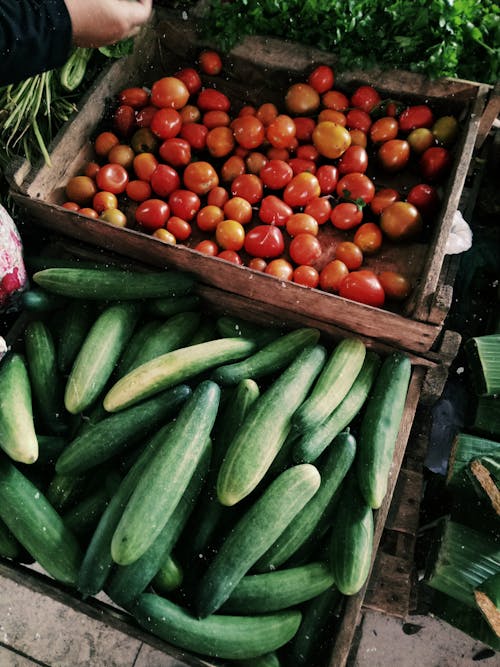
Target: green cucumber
262	593
333	467
82	518
98	355
271	358
17	429
166	478
113	284
259	439
37	300
351	543
64	490
267	660
37	526
169	576
173	368
172	305
9	546
310	445
332	385
46	383
120	431
141	335
50	447
75	323
229	327
206	331
226	637
380	426
253	534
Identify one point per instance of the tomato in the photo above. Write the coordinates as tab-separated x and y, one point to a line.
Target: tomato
164	180
276	174
138	190
274	211
383	198
395	285
419	115
112	177
220	141
307	152
334	99
248	186
216	118
190	114
144	141
88	212
356	186
280	133
274	153
81	189
175	152
248	110
357	119
383	129
420	139
299	165
209	217
300	223
362	286
134	96
124	120
280	268
349	253
230	235
305	248
331	139
257	264
152	213
255	161
401	221
239	209
200	177
248	131
301	189
217	196
164	235
184	204
355	158
266	113
394	154
264	241
179	227
365	97
207	247
332	115
104	142
114	216
302	99
230	256
195	134
210	62
190	78
210	99
305	275
71	206
332	274
169	91
445	130
91	169
358	138
435	163
143	116
304	127
368	237
121	154
103	200
425	198
320	209
328	176
144	165
321	78
346	215
166	123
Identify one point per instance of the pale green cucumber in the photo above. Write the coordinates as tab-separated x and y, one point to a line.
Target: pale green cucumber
141	335
169	576
173	368
265	428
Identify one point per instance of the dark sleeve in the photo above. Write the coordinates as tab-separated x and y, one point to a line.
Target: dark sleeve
35	36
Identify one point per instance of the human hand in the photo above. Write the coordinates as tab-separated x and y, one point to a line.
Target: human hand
102	22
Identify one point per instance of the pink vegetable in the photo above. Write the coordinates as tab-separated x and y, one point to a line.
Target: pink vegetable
12	271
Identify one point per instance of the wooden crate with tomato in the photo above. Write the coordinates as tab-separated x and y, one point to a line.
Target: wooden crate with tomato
327	194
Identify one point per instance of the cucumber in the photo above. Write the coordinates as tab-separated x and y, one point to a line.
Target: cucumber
229	327
37	526
262	593
332	385
267	660
76	320
46	382
98	355
64	490
113	284
226	637
50	446
141	335
82	518
351	544
164	481
37	300
380	426
173	368
206	331
172	305
9	546
17	429
310	445
169	576
273	357
259	439
254	533
333	467
120	431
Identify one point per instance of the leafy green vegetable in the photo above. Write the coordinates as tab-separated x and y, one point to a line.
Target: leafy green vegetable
457	38
118	50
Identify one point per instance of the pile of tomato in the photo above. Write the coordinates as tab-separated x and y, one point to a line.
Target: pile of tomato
256	185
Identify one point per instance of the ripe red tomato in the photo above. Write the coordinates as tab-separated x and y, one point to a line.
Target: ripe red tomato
169	92
152	213
305	248
274	211
394	154
180	228
266	112
166	123
349	253
435	163
301	189
255	161
143	116
280	133
184	204
384	129
383	198
280	268
210	99
356	186
138	190
175	152
164	180
210	62
215	118
112	178
134	96
230	256
144	165
207	247
334	99
304	126
71	206
368	237
328	176
81	189
195	134
346	215
400	221
419	115
103	200
363	286
200	177
209	217
357	119
321	78
305	275
230	235
276	174
395	285
248	186
300	223
220	141
124	120
104	142
302	99
332	274
257	264
90	212
191	79
425	198
248	131
355	158
299	165
307	152
239	209
264	241
365	97
320	209
217	196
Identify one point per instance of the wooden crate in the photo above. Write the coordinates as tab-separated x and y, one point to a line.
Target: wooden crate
261	69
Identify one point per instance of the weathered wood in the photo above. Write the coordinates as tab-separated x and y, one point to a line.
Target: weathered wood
389	587
490	114
403	514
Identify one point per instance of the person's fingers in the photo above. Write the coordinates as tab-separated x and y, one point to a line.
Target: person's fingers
139	12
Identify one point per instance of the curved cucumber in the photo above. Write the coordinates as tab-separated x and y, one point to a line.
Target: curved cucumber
76	320
141	335
169	576
37	300
9	546
254	533
226	637
259	439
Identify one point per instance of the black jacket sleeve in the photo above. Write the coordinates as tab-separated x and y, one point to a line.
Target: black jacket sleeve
35	36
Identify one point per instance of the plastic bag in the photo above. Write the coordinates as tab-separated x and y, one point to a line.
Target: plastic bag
13	279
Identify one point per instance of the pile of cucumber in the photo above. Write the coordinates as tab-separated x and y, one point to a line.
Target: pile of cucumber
216	479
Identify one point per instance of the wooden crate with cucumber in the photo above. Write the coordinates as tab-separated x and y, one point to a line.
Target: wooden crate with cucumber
212	474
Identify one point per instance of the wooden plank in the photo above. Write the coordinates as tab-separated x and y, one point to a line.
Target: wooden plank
403	514
490	114
389	587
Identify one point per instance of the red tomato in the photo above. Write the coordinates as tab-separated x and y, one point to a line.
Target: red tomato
302	99
135	97
180	228
304	127
346	215
220	141
400	221
195	134
358	138
122	154
91	170
248	186
328	176
368	237
257	264
332	115
184	204
394	154
255	161
301	189
207	247
190	78
248	131
103	200
215	118
239	209
305	248
138	190
395	285
425	198
362	286
365	97
124	121
210	99
266	113
112	177
190	114
104	142
355	158
307	152
71	206
412	117
230	235
349	253
384	129
334	99
88	212
144	165
232	167
383	198
81	189
152	213
200	177
321	78
356	186
175	152
332	274
305	275
230	256
280	268
280	133
299	165
166	123
274	211
435	163
264	241
217	196
209	217
357	119
169	92
143	116
320	209
276	174
301	223
210	62
164	180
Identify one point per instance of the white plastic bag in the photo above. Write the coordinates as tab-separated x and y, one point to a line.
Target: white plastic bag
13	278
